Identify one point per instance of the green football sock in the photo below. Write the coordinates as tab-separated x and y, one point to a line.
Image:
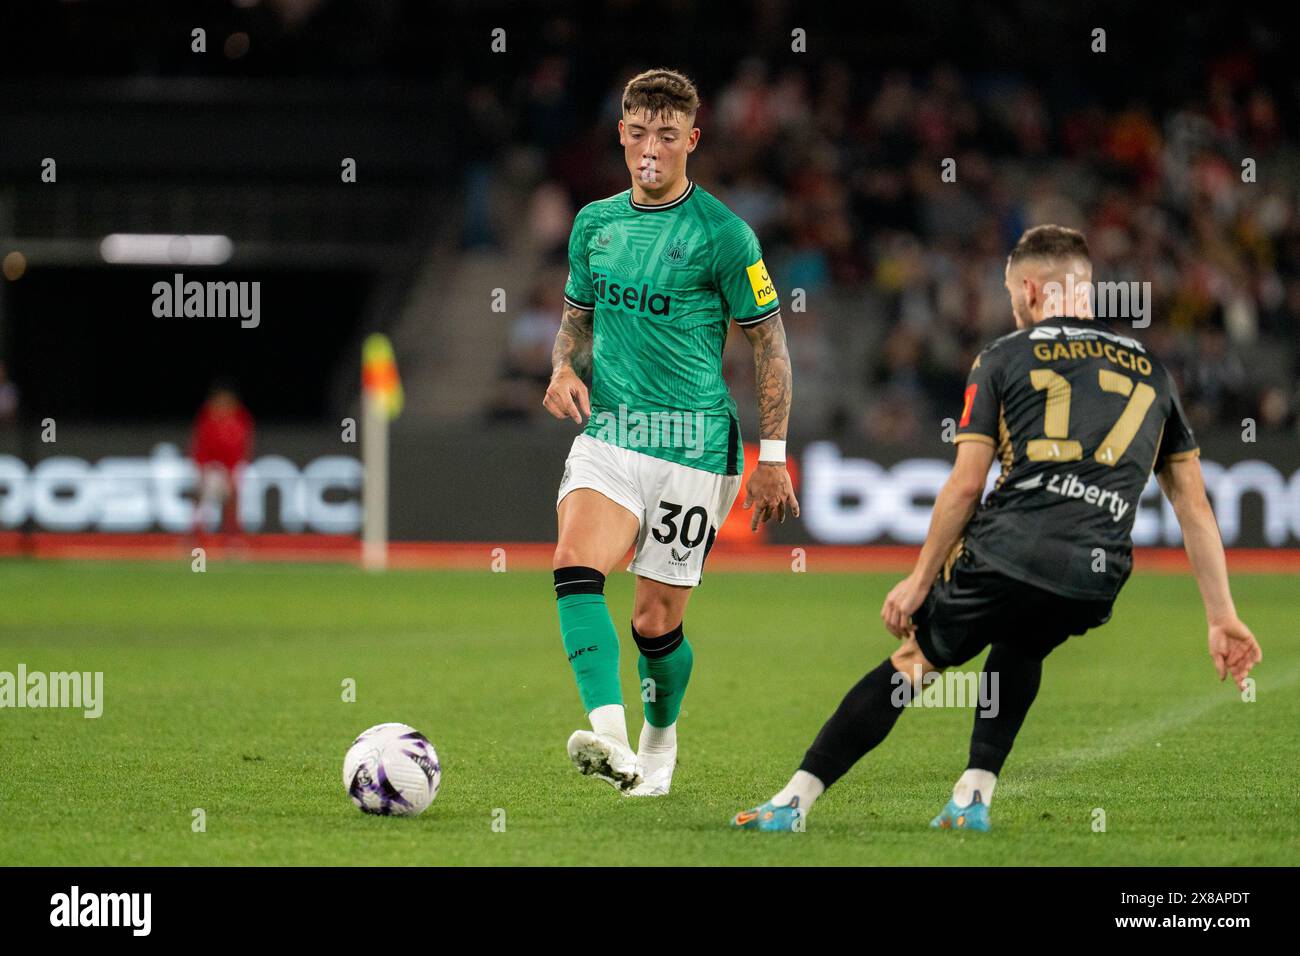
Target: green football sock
590	638
665	669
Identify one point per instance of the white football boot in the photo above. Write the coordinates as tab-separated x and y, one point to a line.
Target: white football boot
598	756
657	770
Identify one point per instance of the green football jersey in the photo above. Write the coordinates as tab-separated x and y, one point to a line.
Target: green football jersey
664	282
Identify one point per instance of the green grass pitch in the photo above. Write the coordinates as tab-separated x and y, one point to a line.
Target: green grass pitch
223	692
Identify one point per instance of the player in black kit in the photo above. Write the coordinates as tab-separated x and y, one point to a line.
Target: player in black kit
1079	415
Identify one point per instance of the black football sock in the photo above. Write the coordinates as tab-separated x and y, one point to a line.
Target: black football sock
863	720
1017	679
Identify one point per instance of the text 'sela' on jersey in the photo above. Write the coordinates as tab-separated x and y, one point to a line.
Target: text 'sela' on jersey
1078	415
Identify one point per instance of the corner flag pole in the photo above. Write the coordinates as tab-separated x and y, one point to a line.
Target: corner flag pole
374	494
381	401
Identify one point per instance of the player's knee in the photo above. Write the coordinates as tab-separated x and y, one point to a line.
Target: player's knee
653	620
567	556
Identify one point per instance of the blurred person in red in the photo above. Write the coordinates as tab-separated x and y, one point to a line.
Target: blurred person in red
221	441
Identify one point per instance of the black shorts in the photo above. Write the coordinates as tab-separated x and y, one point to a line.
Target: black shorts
977	606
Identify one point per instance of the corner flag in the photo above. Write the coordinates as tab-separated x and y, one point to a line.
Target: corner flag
381	400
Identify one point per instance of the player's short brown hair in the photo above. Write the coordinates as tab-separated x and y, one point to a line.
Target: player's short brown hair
1053	243
661	93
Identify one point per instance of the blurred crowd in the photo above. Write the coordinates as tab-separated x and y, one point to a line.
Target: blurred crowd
1177	152
892	277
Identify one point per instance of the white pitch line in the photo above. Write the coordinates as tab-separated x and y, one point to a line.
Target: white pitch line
1159	724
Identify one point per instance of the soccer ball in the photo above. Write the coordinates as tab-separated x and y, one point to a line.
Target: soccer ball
392	770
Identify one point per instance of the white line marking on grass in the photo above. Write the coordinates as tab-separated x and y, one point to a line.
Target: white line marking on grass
1146	730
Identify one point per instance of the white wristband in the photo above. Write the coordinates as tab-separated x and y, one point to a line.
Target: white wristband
771	450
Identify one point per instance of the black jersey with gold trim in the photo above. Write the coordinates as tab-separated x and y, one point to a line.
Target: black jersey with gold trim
1078	415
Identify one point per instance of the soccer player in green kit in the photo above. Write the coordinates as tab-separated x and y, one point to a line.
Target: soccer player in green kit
656	275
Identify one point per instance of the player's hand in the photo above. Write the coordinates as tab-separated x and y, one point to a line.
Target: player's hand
1234	650
771	494
900	604
566	396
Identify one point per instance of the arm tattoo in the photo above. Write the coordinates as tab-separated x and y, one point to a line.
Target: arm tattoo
773	377
573	342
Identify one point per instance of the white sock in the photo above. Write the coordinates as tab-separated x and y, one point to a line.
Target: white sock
963	794
608	720
658	744
658	747
802	785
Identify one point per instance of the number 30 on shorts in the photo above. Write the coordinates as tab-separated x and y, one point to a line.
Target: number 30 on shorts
694	526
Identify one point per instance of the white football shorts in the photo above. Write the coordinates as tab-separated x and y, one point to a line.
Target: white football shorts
679	509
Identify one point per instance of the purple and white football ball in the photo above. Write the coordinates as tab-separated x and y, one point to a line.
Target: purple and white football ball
392	770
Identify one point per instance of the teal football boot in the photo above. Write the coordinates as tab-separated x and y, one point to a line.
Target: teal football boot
770	819
974	816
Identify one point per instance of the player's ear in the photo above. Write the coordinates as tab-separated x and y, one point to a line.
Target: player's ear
693	139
